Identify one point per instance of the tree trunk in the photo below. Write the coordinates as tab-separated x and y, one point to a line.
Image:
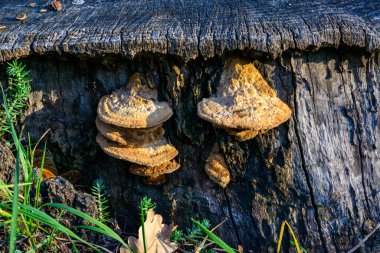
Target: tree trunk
318	171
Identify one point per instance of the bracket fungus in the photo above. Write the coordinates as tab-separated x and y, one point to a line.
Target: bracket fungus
245	105
130	136
154	175
134	106
130	124
150	154
216	168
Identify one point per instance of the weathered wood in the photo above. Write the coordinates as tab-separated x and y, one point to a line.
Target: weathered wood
319	171
188	29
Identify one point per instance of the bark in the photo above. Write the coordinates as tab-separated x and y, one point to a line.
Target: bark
188	29
319	171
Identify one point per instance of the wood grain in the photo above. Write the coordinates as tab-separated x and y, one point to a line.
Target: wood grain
319	171
188	29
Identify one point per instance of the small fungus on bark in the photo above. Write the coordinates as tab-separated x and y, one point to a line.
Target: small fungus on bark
55	5
216	168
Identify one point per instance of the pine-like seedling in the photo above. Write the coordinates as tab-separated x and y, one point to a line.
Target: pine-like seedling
99	192
17	93
144	206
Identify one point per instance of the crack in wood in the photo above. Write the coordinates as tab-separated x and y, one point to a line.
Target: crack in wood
303	162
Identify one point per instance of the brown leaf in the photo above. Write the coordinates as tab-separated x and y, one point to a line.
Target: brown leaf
21	17
49	169
47	174
157	236
72	176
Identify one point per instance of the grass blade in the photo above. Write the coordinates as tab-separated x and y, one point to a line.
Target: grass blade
46	219
214	237
14	225
37	246
104	229
39	178
282	230
52	233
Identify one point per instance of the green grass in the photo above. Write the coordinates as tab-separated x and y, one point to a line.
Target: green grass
25	218
214	238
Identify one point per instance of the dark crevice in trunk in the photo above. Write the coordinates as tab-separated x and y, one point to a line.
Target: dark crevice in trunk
361	156
63	103
303	162
232	217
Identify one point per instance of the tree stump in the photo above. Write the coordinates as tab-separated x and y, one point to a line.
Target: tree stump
319	171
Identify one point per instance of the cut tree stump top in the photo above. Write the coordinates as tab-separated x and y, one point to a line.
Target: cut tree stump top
189	29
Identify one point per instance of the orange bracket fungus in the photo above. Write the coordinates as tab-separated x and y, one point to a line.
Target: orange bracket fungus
245	105
134	106
130	136
130	124
150	154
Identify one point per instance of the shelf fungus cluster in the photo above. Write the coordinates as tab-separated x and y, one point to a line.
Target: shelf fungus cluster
244	104
130	124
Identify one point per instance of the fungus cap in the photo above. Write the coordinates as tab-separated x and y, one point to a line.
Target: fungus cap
130	136
244	100
154	171
239	112
216	168
136	107
149	155
241	75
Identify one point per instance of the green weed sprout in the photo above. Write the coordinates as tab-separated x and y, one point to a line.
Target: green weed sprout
16	95
145	204
99	192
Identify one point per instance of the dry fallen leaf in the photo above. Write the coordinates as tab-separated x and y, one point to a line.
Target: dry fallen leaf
47	174
72	176
2	27
43	10
32	5
157	236
49	168
55	5
21	17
